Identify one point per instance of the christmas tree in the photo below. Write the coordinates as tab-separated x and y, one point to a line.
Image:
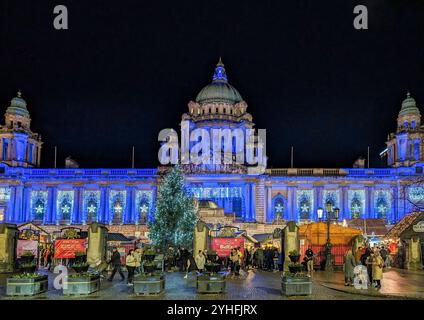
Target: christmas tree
175	215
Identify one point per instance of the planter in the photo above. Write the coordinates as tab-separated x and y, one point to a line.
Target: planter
30	269
26	259
210	283
150	257
294	258
146	284
82	285
149	268
296	285
26	286
212	268
295	269
81	269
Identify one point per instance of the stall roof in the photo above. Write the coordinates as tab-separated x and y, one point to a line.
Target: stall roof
250	238
30	225
261	237
403	224
117	237
369	226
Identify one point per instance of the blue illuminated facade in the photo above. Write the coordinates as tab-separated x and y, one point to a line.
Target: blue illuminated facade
128	196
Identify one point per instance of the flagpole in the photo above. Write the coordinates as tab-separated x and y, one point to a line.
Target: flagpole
291	157
132	162
368	155
55	157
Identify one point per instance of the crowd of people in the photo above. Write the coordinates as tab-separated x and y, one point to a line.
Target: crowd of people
374	259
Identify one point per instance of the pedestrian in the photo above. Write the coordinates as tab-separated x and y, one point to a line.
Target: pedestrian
369	263
190	264
115	261
377	269
131	263
349	266
137	256
49	259
200	261
235	262
309	255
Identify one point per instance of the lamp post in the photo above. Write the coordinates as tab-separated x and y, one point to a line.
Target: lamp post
328	262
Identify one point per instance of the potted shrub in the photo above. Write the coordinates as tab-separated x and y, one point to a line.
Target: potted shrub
80	257
294	256
28	267
27	256
80	267
82	283
295	267
150	254
149	266
26	284
150	281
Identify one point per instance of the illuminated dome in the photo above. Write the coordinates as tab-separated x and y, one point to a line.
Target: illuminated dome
409	106
18	106
219	91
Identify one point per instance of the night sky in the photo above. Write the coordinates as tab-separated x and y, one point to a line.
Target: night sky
127	69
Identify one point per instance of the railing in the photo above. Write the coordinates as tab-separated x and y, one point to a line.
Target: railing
350	172
80	172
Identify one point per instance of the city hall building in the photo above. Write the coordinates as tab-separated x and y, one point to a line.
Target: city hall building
125	199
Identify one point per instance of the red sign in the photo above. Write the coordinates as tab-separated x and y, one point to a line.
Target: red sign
66	248
26	245
223	246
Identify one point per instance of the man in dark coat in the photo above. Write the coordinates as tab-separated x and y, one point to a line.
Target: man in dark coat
115	261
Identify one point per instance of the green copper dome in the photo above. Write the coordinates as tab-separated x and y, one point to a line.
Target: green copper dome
219	90
18	106
409	106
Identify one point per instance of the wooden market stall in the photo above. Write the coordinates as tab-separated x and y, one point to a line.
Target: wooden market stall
315	236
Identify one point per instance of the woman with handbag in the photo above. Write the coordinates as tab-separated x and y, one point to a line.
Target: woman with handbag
377	269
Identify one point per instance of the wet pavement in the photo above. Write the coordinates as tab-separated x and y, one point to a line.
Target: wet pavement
257	285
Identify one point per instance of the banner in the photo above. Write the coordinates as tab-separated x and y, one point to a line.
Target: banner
223	246
26	245
66	248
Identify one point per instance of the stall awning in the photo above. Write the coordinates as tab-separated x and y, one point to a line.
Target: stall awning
376	227
316	233
250	238
262	237
117	237
403	224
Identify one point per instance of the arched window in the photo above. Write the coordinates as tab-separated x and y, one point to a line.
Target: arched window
144	209
92	210
304	208
65	208
356	208
277	208
382	208
39	209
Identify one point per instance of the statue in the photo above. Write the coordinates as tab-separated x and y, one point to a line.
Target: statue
97	243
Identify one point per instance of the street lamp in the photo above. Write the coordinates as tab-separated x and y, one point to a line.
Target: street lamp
320	211
328	262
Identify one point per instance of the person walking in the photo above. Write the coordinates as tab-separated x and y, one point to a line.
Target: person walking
260	258
377	269
369	263
131	263
235	262
309	254
349	265
115	261
137	256
200	261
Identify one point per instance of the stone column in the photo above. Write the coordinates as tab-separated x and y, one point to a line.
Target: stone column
127	215
153	205
252	202
26	215
133	210
51	205
8	242
201	234
268	203
11	205
104	205
395	204
290	241
97	243
371	204
344	203
18	209
367	211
